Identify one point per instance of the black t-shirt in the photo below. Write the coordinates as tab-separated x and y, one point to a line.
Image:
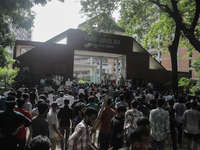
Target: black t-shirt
117	125
171	115
65	114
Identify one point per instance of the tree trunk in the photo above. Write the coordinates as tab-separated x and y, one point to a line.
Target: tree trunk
174	78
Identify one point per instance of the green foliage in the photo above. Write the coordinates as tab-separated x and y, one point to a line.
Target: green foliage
16	14
196	66
86	78
184	82
196	88
7	75
25	76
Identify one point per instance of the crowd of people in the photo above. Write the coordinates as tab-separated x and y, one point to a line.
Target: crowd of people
125	117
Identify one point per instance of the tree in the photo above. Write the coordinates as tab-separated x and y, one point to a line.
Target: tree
18	14
86	78
25	76
171	20
7	75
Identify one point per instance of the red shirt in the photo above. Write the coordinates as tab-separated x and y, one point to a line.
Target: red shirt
105	126
22	133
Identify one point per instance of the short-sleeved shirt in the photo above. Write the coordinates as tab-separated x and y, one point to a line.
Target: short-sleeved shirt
61	101
192	118
22	133
40	126
180	109
117	125
105	126
93	105
65	114
27	106
52	119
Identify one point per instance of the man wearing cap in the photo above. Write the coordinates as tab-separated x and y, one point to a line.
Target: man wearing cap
9	125
53	125
65	115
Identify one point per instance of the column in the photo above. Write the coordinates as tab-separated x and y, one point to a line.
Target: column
116	80
100	69
123	68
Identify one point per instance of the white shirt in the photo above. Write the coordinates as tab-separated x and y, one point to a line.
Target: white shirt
71	99
61	101
52	119
50	97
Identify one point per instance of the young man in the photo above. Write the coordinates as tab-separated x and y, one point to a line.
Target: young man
139	139
53	125
64	116
40	124
191	120
160	126
105	126
80	111
80	138
9	125
71	98
117	127
27	105
22	133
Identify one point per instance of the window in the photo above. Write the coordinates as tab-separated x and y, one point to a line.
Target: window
190	73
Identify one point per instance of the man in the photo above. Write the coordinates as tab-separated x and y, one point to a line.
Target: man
22	133
53	125
117	127
191	120
70	97
121	102
180	108
40	124
33	97
160	126
51	96
139	139
92	103
65	115
132	115
80	111
80	138
9	125
81	99
27	105
39	142
141	107
105	126
61	99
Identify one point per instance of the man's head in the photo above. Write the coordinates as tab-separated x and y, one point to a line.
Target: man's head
42	96
70	92
180	99
42	108
194	105
10	102
121	97
39	142
80	109
143	122
81	96
90	116
139	139
121	112
171	102
55	106
134	104
61	94
20	102
91	99
160	102
25	96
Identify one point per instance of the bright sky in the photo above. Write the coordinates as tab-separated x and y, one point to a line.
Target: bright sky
56	17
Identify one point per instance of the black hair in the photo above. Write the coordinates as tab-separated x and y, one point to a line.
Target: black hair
142	121
42	96
90	111
70	92
91	98
121	109
160	102
66	101
171	102
19	94
78	107
180	99
20	102
194	104
46	93
42	107
61	94
81	95
39	142
134	103
25	96
11	102
121	96
13	94
137	136
109	101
